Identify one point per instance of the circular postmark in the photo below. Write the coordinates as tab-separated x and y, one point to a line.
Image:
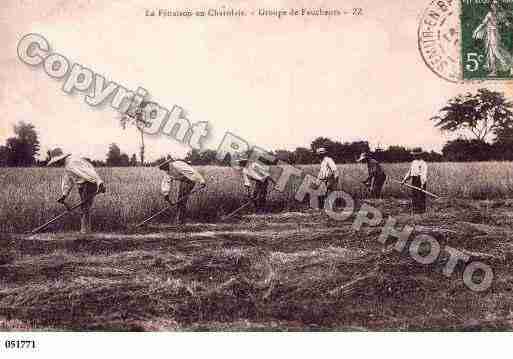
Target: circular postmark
439	39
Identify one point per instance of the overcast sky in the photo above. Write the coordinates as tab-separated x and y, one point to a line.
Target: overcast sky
276	83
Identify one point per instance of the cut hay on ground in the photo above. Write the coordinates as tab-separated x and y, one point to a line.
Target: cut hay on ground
278	276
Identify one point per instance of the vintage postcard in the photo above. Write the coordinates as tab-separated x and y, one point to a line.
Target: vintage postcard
176	166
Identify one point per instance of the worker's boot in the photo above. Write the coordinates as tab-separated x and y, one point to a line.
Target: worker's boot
180	218
85	223
180	214
320	202
88	223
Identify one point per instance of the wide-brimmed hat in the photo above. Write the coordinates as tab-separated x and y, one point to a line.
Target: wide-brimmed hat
56	155
321	151
363	156
162	166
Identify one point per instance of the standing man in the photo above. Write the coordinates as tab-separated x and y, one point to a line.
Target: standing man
418	176
188	177
260	175
376	178
78	171
328	174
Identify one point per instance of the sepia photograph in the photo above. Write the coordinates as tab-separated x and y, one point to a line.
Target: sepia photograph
254	171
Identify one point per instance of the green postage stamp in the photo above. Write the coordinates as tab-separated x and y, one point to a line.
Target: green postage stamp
487	39
463	40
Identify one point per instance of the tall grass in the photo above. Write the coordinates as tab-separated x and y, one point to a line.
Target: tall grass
27	196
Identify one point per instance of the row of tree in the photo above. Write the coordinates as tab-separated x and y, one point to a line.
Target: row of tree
483	119
21	151
346	152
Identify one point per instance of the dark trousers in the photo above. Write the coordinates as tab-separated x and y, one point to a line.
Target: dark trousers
331	185
377	186
260	195
87	191
418	197
184	190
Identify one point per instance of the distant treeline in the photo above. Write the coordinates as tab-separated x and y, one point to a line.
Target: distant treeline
22	150
459	150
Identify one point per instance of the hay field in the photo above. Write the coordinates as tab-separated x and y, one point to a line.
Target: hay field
283	271
27	196
292	269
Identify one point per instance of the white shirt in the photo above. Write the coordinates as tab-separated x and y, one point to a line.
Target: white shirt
180	171
328	169
78	170
418	168
255	171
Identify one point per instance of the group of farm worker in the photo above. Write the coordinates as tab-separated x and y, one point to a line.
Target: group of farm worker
417	174
80	172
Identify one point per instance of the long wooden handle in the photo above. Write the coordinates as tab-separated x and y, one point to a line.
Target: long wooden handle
417	188
68	210
161	211
168	207
238	210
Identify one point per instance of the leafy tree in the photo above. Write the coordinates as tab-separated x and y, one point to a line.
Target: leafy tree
124	161
463	150
304	156
340	152
115	158
503	144
113	155
348	152
433	156
504	135
137	117
24	147
395	154
322	142
482	114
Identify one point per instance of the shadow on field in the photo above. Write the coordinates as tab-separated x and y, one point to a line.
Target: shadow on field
288	271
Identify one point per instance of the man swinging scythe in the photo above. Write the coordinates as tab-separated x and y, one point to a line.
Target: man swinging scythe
187	176
79	171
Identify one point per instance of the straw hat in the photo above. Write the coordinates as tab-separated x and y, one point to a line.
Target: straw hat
162	166
321	151
56	155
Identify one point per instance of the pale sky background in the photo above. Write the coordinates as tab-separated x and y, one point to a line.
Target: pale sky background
276	83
